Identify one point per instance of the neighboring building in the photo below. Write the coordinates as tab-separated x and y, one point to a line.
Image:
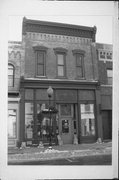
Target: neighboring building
105	54
15	63
64	57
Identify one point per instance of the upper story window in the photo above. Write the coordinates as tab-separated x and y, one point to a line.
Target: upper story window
10	75
79	57
109	55
105	55
102	55
109	76
40	56
60	65
61	61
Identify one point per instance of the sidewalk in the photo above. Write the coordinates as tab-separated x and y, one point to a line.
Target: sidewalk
57	152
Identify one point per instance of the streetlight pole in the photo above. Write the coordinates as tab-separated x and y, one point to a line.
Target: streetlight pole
50	93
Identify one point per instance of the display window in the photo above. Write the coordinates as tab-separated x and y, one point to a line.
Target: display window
87	120
12	119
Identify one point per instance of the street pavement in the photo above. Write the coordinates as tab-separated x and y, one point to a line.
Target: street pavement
65	154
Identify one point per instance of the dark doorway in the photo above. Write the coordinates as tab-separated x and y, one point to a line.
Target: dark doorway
107	124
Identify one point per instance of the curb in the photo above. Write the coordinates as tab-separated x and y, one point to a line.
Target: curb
49	155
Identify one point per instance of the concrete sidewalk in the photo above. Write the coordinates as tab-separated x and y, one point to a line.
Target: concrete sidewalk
57	152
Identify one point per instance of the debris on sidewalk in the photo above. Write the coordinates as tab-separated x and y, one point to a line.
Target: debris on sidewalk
58	152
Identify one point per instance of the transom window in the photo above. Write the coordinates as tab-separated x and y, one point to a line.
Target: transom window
10	75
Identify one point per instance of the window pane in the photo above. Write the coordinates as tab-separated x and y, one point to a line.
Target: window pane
60	70
11	123
10	71
65	126
87	120
10	81
78	60
102	55
45	122
29	120
40	56
109	81
79	72
60	59
40	70
109	73
109	76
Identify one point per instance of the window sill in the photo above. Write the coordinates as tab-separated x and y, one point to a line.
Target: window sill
61	77
43	77
80	78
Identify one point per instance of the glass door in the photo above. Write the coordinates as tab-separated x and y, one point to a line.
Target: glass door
29	122
87	122
66	123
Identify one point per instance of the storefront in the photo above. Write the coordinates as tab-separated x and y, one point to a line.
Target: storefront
77	105
13	119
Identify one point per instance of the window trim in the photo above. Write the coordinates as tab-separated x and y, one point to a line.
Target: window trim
13	75
38	64
62	51
82	54
59	65
38	49
95	117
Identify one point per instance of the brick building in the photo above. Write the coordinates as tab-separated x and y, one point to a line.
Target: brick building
15	71
64	57
105	64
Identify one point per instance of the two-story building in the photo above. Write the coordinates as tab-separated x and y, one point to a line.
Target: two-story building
63	57
105	64
15	71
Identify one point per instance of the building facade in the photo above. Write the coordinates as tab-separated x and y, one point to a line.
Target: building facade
105	64
15	63
64	57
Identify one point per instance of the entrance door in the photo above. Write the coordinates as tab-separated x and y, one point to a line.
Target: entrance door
65	123
107	124
88	133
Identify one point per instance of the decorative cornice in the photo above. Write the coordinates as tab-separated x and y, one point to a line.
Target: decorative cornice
39	48
14	55
60	49
57	38
37	83
75	51
58	28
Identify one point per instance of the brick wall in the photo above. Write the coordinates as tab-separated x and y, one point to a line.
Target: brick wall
16	58
90	60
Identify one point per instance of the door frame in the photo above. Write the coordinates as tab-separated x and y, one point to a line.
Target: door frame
66	117
86	139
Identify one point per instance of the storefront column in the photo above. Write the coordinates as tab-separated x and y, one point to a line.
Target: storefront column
22	117
98	112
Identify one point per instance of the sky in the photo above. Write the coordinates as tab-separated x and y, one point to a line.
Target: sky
99	14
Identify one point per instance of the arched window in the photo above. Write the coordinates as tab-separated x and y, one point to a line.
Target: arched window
10	75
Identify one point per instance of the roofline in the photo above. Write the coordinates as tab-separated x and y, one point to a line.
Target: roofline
57	24
39	26
104	44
